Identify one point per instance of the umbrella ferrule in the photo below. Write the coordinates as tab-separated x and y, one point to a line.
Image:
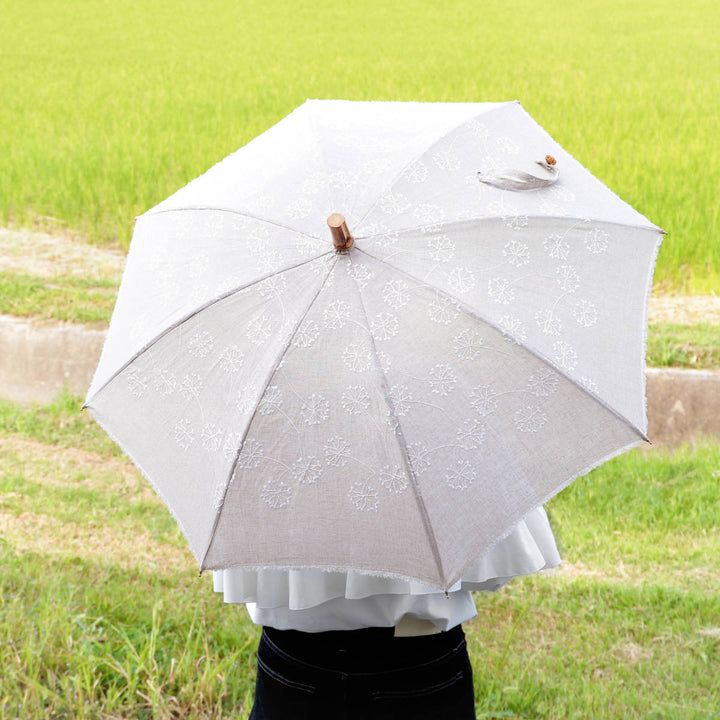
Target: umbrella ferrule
342	238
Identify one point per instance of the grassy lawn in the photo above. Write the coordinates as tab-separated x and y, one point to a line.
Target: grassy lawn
103	615
107	108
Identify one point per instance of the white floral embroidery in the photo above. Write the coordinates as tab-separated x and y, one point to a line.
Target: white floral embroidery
565	355
299	208
306	245
556	247
461	280
507	145
482	398
307	334
393	478
257	239
343	180
548	322
356	357
543	383
598	241
444	379
231	445
360	273
271	401
211	437
501	291
307	470
246	398
355	399
416	173
250	455
479	130
401	397
585	313
395	293
337	451
394	203
363	496
336	314
219	495
468	344
419	457
513	329
517	253
446	160
442	310
589	384
461	476
567	278
231	359
429	214
442	248
191	386
471	434
276	494
385	326
259	330
272	287
315	409
530	419
184	434
201	344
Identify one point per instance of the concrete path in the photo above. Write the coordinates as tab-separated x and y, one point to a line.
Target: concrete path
36	361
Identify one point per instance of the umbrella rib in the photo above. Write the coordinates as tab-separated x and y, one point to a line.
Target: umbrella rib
473	313
270	376
403	447
191	208
194	312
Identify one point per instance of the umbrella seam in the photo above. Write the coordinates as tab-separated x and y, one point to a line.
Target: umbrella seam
403	446
270	377
536	353
196	311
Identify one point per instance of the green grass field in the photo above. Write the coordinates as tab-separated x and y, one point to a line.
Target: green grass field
103	615
108	107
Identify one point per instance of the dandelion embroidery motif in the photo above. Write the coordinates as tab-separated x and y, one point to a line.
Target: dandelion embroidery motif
184	434
273	287
529	419
471	434
246	399
517	253
501	291
548	322
315	409
307	470
442	248
393	479
401	397
219	495
461	476
428	214
585	313
443	379
336	314
442	311
250	455
364	497
589	384
419	457
446	160
211	437
468	344
307	334
299	208
507	145
259	330
479	130
556	247
231	359
337	452
231	445
357	358
565	355
416	173
513	329
543	383
567	278
395	293
385	326
136	383
355	400
360	273
276	494
597	242
482	399
271	401
461	280
164	382
394	203
201	344
191	386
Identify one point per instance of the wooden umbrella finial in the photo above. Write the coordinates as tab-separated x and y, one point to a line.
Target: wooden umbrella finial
342	239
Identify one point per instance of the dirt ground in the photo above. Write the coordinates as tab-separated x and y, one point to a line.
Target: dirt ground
42	255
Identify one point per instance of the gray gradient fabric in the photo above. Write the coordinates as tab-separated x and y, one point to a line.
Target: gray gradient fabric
399	408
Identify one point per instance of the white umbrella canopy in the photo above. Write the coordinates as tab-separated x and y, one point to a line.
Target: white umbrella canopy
398	407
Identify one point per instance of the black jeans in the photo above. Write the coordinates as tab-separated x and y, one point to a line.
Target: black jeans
363	675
